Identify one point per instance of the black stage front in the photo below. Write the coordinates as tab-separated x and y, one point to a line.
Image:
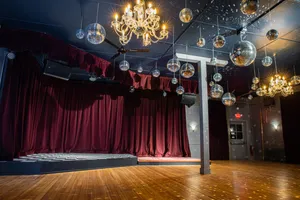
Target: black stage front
63	162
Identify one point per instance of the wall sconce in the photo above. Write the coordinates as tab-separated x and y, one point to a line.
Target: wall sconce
275	125
193	126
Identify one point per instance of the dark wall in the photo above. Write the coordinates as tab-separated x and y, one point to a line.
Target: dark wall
290	110
218	135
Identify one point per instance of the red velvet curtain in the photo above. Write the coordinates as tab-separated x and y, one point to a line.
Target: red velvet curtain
42	114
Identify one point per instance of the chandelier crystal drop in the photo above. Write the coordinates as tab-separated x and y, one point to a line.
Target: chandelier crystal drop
142	21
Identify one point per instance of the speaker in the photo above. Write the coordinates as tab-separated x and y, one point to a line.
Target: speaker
188	99
57	70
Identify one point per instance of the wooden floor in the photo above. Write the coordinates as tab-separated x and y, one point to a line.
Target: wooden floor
229	180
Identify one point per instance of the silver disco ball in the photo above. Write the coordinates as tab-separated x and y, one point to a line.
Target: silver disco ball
80	34
243	53
272	34
254	87
267	61
216	91
187	70
249	7
219	41
165	94
255	80
228	99
186	15
295	80
180	90
173	65
217	77
140	69
201	42
124	65
174	81
213	61
250	97
155	73
95	33
211	83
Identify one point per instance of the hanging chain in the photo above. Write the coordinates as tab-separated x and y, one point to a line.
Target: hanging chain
254	69
173	42
97	13
275	63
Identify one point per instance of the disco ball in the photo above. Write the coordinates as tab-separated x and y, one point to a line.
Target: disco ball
80	34
255	80
11	55
201	42
216	91
267	61
243	53
173	65
131	89
295	80
254	87
213	61
180	90
124	66
187	70
219	41
155	73
211	83
249	7
250	97
228	99
140	69
165	94
272	34
260	92
95	33
186	15
217	77
174	81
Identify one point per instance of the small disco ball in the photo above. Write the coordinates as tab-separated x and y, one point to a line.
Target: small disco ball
217	77
131	89
272	34
228	99
174	81
267	61
295	80
164	94
95	33
249	7
213	61
124	65
211	83
173	65
219	41
260	92
140	69
250	97
11	55
186	15
201	42
254	87
180	90
155	73
80	34
216	91
187	70
255	80
243	53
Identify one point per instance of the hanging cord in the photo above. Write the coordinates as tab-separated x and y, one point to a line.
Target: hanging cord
275	63
265	50
186	52
258	73
294	70
173	42
218	25
185	3
97	13
213	51
81	22
124	56
156	65
254	69
227	86
200	31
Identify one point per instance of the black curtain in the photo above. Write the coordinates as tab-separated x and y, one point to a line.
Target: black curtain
218	135
290	111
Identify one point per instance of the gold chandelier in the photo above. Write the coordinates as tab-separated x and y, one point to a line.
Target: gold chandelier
142	21
277	85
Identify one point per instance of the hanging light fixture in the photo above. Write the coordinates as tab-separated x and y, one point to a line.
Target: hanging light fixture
217	76
267	60
173	64
124	65
249	7
228	99
174	80
219	41
156	72
186	14
187	70
295	80
255	79
216	91
140	69
80	32
180	90
95	33
201	40
141	21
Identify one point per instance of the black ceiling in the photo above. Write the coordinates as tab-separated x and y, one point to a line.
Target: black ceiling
62	18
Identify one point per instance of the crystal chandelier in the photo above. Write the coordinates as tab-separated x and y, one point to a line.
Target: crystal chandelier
142	21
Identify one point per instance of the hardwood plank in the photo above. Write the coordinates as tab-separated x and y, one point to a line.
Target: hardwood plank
229	180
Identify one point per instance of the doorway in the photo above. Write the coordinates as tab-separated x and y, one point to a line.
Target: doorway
238	141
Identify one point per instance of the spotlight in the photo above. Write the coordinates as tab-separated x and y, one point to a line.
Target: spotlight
11	55
131	89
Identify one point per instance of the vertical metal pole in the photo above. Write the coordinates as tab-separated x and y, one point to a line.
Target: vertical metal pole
204	121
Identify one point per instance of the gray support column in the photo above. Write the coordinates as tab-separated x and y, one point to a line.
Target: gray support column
204	121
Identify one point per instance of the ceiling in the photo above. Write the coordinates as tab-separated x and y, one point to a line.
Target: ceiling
62	18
